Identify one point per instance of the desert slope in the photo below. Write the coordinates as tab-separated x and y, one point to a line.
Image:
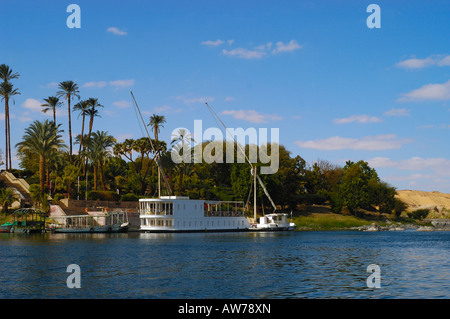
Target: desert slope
420	199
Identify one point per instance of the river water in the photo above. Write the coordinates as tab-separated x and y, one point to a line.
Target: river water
312	265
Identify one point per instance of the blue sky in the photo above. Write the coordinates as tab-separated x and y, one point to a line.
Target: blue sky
336	89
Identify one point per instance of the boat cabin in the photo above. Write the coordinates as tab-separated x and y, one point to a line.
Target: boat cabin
179	213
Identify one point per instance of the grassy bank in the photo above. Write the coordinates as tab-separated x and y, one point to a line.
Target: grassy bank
327	221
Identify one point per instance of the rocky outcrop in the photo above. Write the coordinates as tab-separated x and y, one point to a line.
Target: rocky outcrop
426	228
436	225
375	227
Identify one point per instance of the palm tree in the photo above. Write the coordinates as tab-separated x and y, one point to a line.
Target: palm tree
83	108
52	103
156	121
7	197
92	112
68	90
41	139
100	151
6	92
6	74
183	141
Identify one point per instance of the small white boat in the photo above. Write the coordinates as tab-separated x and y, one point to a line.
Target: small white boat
273	222
114	222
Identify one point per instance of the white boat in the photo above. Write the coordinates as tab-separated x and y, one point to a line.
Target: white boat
181	214
114	222
273	222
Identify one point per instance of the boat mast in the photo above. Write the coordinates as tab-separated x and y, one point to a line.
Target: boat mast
252	167
254	193
157	157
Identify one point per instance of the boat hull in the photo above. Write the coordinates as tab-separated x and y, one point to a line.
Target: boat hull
194	230
287	228
103	230
5	229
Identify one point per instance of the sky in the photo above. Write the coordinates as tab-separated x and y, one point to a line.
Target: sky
336	89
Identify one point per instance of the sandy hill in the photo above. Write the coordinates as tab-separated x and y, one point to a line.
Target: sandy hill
421	199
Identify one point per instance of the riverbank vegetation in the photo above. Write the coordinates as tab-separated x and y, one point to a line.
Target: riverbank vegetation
102	168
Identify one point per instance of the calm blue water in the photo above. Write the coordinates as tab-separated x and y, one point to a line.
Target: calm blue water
226	265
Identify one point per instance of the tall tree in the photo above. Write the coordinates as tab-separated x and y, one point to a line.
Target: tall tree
7	197
69	90
99	151
92	112
83	108
146	154
6	91
181	141
156	121
41	139
354	189
51	104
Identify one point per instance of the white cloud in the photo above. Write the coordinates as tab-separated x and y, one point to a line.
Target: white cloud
25	117
444	61
217	42
359	119
32	104
414	63
368	143
438	165
123	104
98	84
262	50
190	100
51	85
116	84
252	116
165	109
397	112
437	92
116	31
213	43
245	53
288	47
122	83
229	99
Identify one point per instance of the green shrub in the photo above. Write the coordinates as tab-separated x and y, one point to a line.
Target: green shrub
336	203
419	213
130	197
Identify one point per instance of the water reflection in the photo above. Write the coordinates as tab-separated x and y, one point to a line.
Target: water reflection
226	265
